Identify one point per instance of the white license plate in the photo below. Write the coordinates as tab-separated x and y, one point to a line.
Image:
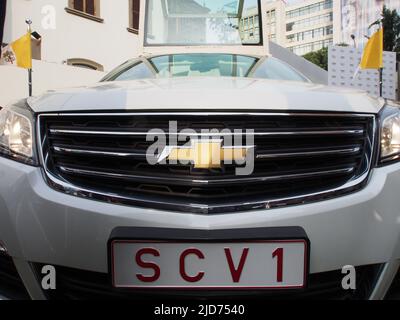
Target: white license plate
248	265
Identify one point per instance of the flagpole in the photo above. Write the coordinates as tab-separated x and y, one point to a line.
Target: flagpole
30	81
30	86
381	69
373	53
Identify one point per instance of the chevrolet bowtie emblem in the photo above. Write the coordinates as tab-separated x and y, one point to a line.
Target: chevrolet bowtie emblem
205	154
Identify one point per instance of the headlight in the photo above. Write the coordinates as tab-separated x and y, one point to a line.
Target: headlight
390	133
16	134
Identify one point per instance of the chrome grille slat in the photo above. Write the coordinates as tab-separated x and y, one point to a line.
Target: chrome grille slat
309	153
191	135
271	155
98	153
202	182
300	157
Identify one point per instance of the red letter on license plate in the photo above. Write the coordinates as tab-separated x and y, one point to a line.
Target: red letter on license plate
236	273
148	265
182	269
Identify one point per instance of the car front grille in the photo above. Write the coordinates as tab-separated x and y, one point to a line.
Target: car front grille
299	158
74	284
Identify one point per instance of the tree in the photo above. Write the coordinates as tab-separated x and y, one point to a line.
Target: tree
320	58
391	29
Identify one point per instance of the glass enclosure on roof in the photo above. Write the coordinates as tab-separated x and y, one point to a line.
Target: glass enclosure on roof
202	22
204	65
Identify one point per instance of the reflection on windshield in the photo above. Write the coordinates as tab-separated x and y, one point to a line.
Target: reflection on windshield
202	22
222	65
204	65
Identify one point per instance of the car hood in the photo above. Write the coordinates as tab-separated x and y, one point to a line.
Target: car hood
206	94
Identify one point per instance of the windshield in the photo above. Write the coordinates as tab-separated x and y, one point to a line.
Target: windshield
204	65
202	22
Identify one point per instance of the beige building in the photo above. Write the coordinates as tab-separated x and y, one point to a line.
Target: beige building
309	26
79	41
275	22
71	29
304	27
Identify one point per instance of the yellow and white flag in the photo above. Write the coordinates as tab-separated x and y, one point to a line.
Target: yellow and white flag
373	52
372	57
18	53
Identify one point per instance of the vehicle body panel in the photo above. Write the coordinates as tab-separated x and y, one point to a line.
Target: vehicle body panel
206	93
48	226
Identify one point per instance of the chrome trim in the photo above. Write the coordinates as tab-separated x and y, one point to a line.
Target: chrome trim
259	156
309	153
224	134
198	208
98	153
93	173
211	113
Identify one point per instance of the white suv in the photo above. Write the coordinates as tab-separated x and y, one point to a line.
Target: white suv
84	190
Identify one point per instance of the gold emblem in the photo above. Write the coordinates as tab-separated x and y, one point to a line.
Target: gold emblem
205	154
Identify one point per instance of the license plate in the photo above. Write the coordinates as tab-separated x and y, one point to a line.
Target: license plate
246	265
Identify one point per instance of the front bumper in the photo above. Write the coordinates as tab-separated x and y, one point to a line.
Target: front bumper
41	225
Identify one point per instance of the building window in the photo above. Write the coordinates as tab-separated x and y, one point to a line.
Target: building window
311	34
313	46
134	16
85	63
310	9
308	22
85	8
